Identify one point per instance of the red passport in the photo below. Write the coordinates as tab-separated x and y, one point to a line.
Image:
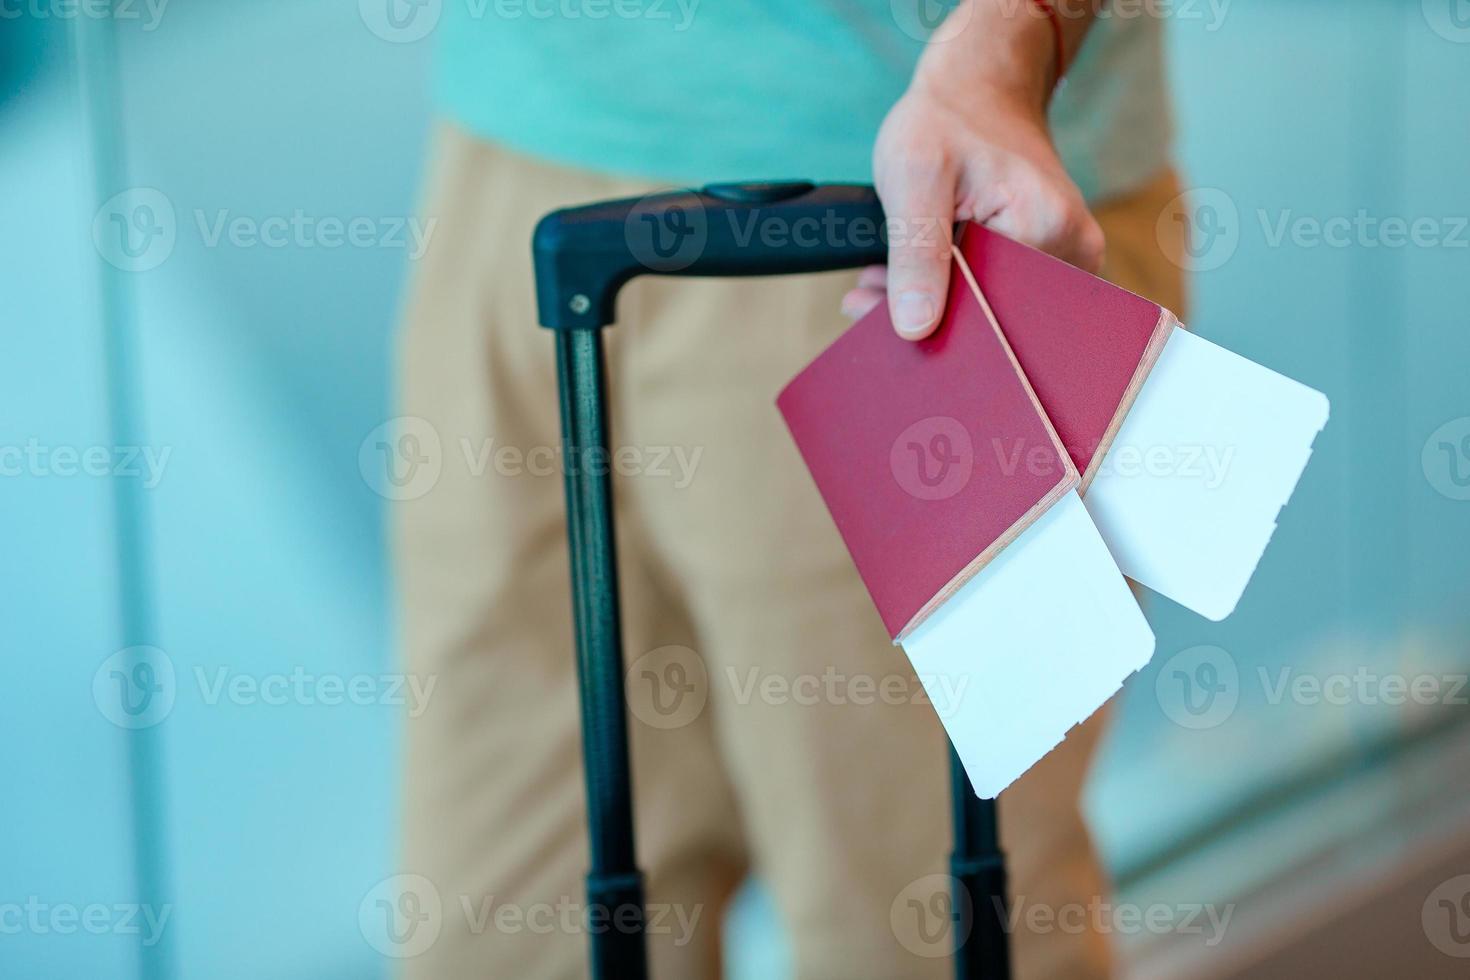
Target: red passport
931	456
1085	344
943	465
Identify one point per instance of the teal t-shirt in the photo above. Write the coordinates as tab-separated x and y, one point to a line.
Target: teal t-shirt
691	91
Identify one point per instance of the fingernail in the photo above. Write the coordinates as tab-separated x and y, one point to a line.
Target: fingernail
915	313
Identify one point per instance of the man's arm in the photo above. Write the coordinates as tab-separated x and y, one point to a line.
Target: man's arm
969	141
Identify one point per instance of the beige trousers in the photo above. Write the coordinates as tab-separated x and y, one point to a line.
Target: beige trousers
774	727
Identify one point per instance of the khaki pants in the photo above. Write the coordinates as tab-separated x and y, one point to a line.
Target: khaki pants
774	726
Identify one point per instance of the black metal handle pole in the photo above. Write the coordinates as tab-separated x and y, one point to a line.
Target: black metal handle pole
978	868
583	256
615	916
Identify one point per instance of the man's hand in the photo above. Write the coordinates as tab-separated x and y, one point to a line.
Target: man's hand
969	141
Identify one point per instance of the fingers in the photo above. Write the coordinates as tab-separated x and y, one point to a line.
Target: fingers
919	199
871	289
1055	221
859	301
873	277
1057	225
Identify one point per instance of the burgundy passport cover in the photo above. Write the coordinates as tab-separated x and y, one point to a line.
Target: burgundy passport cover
914	448
1084	344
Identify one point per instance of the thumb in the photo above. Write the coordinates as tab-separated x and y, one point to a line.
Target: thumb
919	205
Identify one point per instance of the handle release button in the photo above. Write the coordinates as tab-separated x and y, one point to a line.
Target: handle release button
767	192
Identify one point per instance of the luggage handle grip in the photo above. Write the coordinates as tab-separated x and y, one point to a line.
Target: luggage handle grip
584	255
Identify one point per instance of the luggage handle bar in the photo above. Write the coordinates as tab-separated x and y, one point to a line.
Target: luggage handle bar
583	256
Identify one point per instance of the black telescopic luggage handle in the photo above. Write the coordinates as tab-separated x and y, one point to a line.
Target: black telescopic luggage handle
583	256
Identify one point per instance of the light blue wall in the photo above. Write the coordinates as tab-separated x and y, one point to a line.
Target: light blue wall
261	371
266	367
65	820
1298	113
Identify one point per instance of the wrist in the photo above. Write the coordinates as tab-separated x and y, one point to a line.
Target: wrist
1000	49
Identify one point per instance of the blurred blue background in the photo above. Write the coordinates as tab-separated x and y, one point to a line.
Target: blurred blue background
259	371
